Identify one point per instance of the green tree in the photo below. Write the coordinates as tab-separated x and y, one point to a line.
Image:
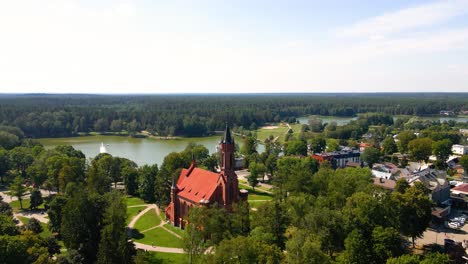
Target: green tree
18	190
8	140
436	258
55	212
4	163
36	199
302	247
442	149
464	162
403	140
256	170
113	246
401	185
295	174
414	211
21	158
147	182
370	155
130	177
245	250
389	146
34	225
404	259
358	249
317	144
250	146
296	147
193	238
332	145
8	226
386	243
420	149
273	219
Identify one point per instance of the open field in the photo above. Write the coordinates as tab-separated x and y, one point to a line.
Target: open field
45	230
131	201
148	220
158	237
169	258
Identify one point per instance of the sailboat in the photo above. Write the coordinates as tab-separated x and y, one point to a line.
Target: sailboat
103	148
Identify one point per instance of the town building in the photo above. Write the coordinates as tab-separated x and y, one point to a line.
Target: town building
459	195
199	187
460	149
339	159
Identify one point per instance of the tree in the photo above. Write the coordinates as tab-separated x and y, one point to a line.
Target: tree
404	259
256	170
436	258
8	140
130	176
386	243
8	226
464	162
370	155
295	174
389	146
403	139
113	246
401	185
332	145
245	250
55	212
21	158
34	225
250	146
302	247
442	149
36	199
18	190
358	249
147	182
193	238
296	147
317	144
273	219
4	163
414	211
420	149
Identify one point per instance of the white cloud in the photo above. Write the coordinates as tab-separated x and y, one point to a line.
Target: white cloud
406	19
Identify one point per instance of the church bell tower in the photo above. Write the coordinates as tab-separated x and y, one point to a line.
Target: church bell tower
231	187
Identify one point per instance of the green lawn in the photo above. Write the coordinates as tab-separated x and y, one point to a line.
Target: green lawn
159	237
263	134
148	220
26	203
132	212
156	257
176	230
255	204
134	201
256	194
45	230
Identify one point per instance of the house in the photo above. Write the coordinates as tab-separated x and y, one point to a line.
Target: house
339	159
385	183
447	113
459	195
363	146
460	149
464	131
198	187
434	180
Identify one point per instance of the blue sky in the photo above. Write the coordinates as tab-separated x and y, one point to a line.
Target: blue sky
67	46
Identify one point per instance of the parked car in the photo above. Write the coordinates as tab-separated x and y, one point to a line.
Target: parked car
454	225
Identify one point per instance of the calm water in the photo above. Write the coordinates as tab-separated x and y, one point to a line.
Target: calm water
141	150
345	120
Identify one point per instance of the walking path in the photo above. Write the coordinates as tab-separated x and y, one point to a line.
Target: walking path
161	225
34	214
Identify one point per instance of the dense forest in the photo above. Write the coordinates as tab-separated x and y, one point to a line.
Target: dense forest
41	115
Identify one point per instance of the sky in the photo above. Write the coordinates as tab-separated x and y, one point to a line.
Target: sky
237	46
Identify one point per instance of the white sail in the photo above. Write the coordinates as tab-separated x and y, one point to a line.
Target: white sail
103	148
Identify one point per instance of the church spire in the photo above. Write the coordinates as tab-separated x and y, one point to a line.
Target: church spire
227	139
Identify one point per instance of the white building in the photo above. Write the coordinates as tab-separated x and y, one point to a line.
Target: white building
460	149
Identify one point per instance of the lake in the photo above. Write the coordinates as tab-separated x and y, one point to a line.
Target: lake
141	150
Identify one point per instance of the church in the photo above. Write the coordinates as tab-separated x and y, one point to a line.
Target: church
199	187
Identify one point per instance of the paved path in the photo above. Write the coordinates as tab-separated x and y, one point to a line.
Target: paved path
34	214
139	205
161	225
158	249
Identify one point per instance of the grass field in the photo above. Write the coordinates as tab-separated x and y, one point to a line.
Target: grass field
131	201
148	220
26	203
279	132
45	230
132	212
159	237
256	194
176	230
160	257
255	204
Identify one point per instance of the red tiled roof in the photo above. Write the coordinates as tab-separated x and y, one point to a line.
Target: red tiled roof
197	184
461	188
